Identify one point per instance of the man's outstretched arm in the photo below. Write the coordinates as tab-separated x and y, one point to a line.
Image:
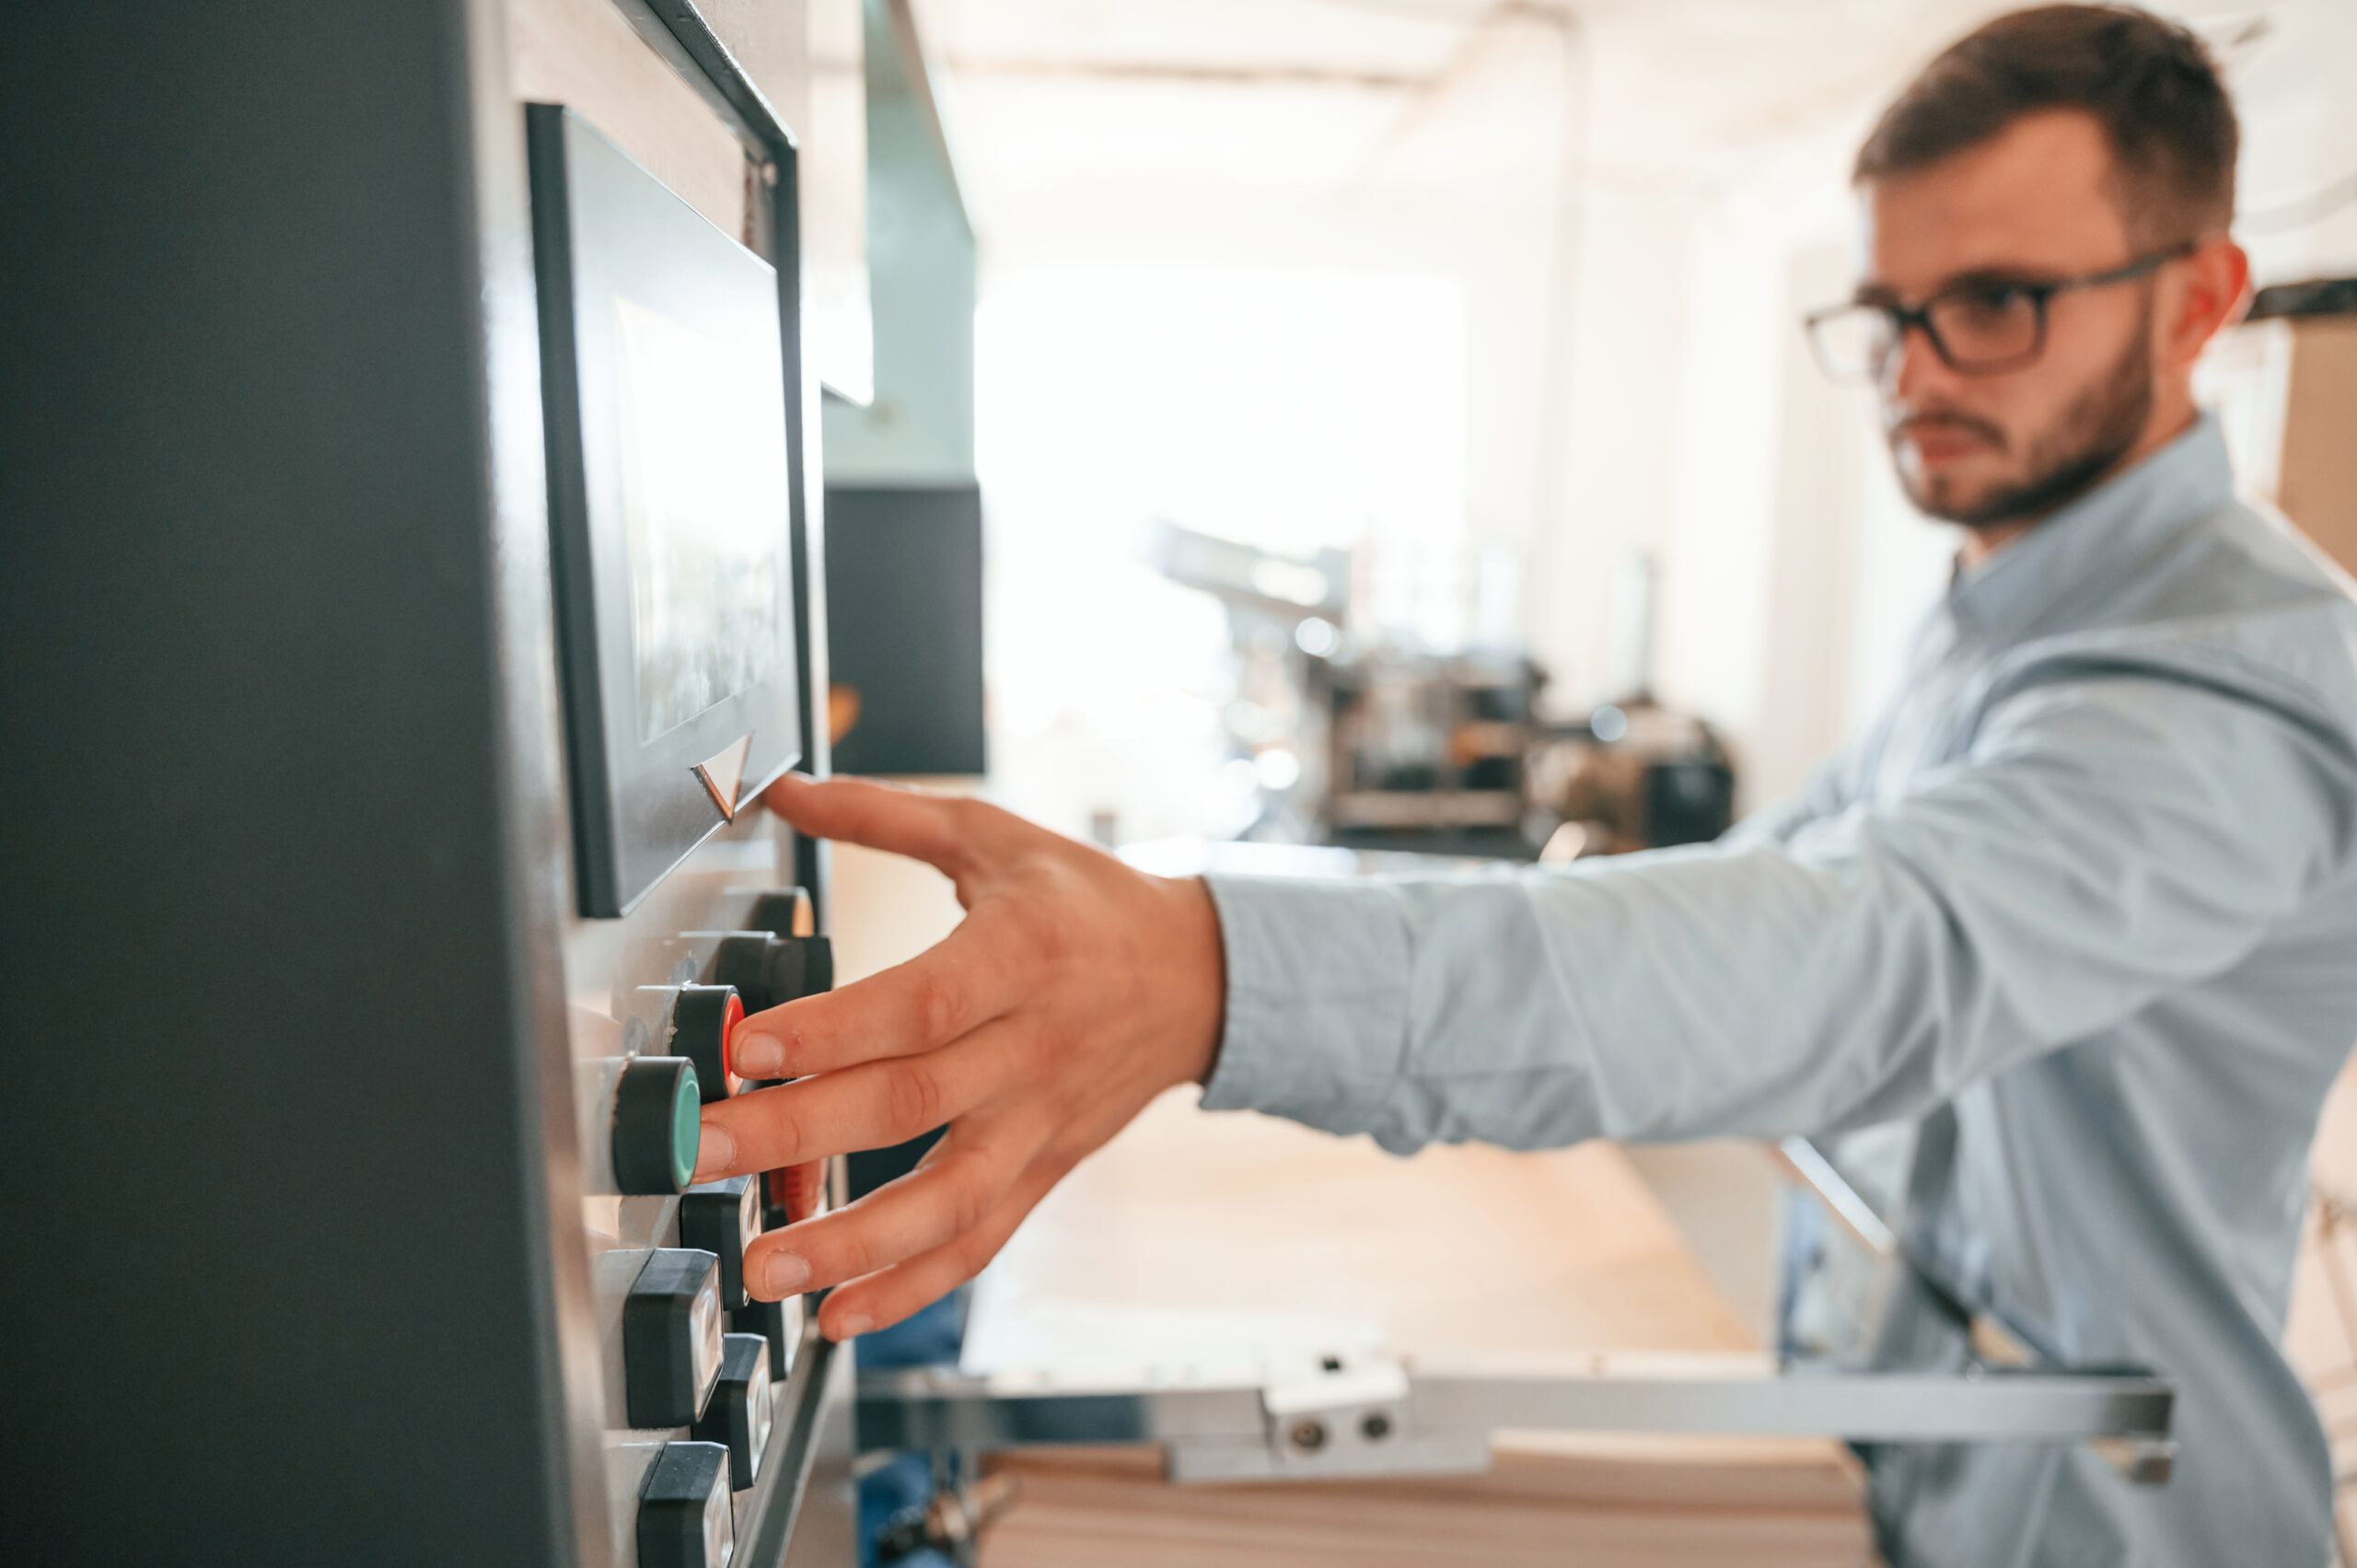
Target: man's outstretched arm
2105	840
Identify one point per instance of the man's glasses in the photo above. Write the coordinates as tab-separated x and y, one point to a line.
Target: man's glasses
1978	328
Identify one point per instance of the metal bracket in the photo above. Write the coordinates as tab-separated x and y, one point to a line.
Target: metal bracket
1368	1416
1335	1417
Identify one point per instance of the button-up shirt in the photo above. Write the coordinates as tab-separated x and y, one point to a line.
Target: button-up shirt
2086	895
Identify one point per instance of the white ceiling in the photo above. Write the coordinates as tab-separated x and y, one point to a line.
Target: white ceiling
1121	103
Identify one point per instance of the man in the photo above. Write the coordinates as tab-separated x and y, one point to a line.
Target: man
2083	903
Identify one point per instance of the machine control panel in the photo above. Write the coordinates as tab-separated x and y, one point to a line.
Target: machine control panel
689	1358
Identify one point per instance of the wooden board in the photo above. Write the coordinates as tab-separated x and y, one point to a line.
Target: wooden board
1760	1505
1198	1240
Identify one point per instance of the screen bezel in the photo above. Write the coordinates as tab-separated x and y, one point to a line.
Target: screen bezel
603	228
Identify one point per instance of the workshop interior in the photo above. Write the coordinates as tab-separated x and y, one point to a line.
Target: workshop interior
458	455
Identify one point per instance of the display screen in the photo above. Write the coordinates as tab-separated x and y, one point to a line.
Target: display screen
704	510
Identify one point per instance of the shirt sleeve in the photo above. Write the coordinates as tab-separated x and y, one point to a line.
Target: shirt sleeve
2102	842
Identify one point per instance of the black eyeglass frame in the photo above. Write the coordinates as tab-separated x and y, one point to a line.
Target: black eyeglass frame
1903	319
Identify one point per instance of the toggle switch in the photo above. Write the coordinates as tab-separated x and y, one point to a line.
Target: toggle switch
684	1519
656	1126
779	1325
742	1408
770	972
721	1217
702	1019
671	1337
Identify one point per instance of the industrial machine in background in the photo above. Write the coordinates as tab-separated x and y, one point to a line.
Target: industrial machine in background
1428	751
1445	754
1374	743
1631	775
1283	613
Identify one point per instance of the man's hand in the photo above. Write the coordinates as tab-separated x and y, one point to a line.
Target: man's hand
1074	992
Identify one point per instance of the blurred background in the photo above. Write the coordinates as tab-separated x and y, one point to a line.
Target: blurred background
1390	419
1265	432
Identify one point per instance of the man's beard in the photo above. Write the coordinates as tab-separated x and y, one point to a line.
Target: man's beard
2097	430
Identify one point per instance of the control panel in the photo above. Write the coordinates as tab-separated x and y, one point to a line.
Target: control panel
671	387
698	1379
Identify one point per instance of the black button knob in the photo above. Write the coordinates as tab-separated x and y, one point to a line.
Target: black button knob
671	1337
684	1519
770	972
702	1019
789	913
721	1218
742	1408
657	1124
779	1324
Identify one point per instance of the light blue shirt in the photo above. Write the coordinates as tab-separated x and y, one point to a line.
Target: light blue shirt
2083	902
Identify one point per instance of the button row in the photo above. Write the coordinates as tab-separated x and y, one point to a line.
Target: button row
680	1369
681	1366
655	1127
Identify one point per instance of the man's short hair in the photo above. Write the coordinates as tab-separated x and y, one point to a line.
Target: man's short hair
2151	84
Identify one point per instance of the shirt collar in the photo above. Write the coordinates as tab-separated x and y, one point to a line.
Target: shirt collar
2099	538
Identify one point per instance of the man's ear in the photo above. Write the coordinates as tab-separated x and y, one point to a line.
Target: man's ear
2215	293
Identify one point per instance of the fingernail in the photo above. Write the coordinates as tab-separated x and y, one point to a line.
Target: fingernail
785	1273
715	1151
851	1326
758	1056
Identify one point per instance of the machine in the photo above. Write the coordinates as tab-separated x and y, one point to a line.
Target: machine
411	551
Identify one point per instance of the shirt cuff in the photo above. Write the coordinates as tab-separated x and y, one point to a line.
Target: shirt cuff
1317	978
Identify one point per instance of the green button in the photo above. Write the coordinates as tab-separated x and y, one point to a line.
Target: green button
687	1126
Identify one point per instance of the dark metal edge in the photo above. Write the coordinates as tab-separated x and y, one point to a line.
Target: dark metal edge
777	1496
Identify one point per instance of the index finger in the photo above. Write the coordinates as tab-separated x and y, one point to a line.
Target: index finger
961	982
869	1106
878	816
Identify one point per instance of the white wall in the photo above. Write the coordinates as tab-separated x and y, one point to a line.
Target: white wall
1148	753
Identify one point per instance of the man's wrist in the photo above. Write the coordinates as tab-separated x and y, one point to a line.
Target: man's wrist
1202	988
1316	1021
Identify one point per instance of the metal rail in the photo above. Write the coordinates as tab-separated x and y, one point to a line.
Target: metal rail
1379	1418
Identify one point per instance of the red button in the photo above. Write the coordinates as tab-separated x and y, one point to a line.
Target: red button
730	1018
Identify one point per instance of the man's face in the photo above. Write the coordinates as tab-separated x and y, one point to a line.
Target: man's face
2034	205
